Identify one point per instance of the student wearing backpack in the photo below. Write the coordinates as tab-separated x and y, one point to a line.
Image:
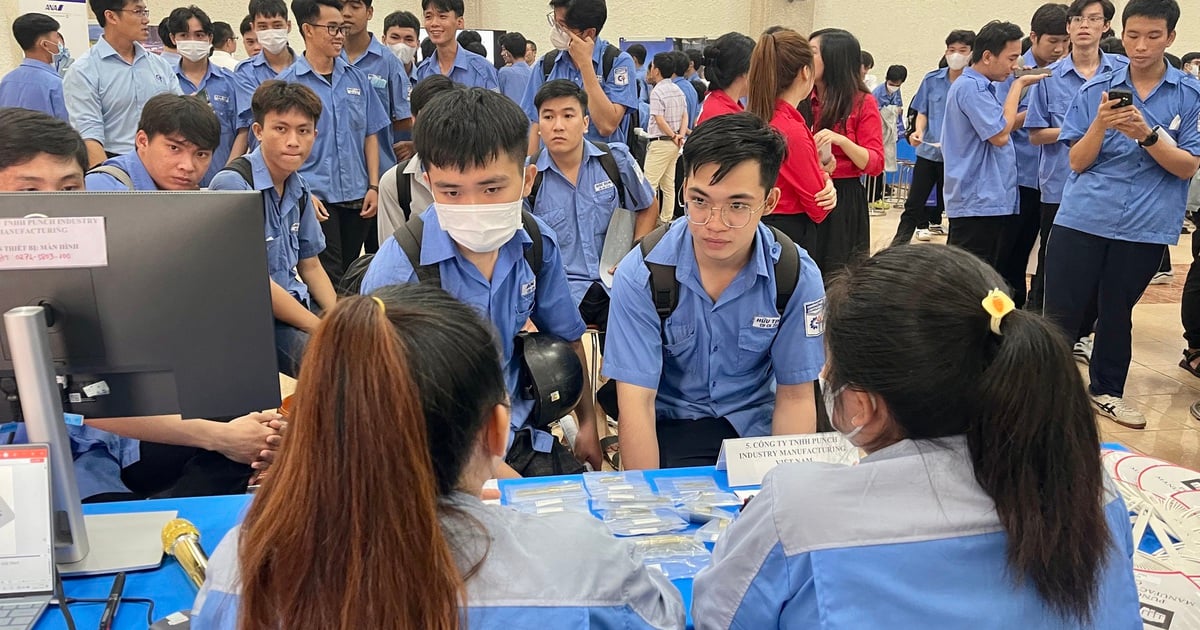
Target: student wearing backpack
285	125
172	149
478	244
706	317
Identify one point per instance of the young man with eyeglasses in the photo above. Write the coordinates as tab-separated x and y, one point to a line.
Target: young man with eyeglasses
107	87
443	20
723	361
343	169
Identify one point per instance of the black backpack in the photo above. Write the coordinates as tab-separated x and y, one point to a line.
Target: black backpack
607	161
664	288
242	167
409	237
637	144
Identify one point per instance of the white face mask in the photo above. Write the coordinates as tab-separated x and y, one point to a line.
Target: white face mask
193	50
831	396
404	52
482	227
1194	70
957	61
892	89
273	40
560	39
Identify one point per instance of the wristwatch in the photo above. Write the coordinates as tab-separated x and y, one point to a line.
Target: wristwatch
373	187
1150	139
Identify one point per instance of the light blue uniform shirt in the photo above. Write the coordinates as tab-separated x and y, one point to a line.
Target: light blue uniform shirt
905	540
1125	195
293	232
579	213
248	75
1028	155
981	178
884	99
689	95
131	163
721	360
513	80
99	457
643	87
386	74
35	85
512	297
469	69
337	168
105	94
1048	102
619	86
219	87
931	101
548	571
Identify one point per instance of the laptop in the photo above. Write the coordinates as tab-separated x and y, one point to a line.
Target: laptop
26	540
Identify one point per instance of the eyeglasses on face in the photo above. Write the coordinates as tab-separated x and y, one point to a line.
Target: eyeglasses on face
734	215
333	29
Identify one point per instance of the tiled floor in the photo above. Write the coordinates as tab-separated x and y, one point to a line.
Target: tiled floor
1156	384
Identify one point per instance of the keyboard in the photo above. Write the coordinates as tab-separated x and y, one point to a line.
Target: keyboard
19	616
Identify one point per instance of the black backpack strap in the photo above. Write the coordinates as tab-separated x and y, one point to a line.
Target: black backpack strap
537	181
409	236
664	289
404	188
613	171
787	270
548	62
241	166
533	255
606	62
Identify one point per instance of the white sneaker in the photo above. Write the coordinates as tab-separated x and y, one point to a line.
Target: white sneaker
924	235
1163	277
936	229
1117	410
1083	350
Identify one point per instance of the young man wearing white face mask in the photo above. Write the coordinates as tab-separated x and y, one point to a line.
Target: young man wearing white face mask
472	147
385	72
401	31
191	31
271	27
37	83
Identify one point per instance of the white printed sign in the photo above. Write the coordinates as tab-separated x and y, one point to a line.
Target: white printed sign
52	243
748	460
1169	601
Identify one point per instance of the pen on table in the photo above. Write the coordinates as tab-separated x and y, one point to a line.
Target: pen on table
114	601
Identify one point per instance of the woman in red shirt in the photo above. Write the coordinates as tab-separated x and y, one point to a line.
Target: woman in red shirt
726	65
781	76
846	119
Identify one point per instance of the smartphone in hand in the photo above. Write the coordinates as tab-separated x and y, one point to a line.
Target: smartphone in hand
1123	98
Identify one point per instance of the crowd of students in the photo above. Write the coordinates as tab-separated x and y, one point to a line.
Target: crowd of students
745	304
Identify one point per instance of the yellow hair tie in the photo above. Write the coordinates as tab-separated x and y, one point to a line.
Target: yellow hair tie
998	304
382	307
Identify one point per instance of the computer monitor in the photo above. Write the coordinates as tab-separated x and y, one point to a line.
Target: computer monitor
178	321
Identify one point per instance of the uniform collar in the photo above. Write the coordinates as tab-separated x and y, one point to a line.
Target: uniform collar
1067	64
208	73
460	60
1029	59
1172	76
975	75
132	164
414	171
104	49
521	63
679	252
40	65
546	161
374	47
436	244
262	176
302	67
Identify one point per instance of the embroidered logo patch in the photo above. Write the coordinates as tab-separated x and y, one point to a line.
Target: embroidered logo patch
814	318
621	76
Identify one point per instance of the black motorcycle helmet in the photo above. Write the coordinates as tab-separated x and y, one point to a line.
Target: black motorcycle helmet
551	375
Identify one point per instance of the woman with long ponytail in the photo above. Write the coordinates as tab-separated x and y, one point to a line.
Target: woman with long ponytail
727	68
981	501
371	517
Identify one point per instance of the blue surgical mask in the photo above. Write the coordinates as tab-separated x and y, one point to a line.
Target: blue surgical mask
62	59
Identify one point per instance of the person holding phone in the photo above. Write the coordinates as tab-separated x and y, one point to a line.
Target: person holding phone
1135	144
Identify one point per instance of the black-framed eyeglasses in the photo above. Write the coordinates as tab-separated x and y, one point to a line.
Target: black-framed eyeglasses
333	29
734	215
142	13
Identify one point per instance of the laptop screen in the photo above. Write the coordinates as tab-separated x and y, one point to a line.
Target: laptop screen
26	544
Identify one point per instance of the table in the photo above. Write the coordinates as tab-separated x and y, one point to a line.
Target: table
214	517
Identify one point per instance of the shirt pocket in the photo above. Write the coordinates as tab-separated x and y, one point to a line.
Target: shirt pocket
753	346
279	247
1058	112
679	340
524	307
358	112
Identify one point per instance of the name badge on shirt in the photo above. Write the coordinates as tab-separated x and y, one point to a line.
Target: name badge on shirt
220	98
814	318
296	228
353	91
766	322
529	287
604	185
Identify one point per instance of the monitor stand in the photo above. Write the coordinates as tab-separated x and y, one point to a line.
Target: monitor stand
98	544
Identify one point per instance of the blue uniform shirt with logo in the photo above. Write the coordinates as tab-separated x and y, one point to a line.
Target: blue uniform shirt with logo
930	100
722	359
131	163
1028	155
105	94
513	297
293	232
1125	194
580	213
220	89
337	168
513	80
469	69
386	74
248	75
689	95
1048	102
620	86
981	178
35	85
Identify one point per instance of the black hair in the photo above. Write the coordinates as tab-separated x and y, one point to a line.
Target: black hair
281	97
401	19
306	11
994	37
695	59
897	74
1175	62
30	27
466	37
583	14
1077	7
1026	44
188	116
665	62
701	89
427	47
960	36
727	59
1112	46
177	21
841	55
868	59
100	6
1017	397
471	128
1190	57
246	26
729	140
475	47
638	52
560	88
1049	19
514	43
681	62
1154	9
446	6
530	42
222	33
267	9
164	33
426	89
53	137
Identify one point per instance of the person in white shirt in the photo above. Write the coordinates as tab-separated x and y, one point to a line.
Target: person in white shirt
224	44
